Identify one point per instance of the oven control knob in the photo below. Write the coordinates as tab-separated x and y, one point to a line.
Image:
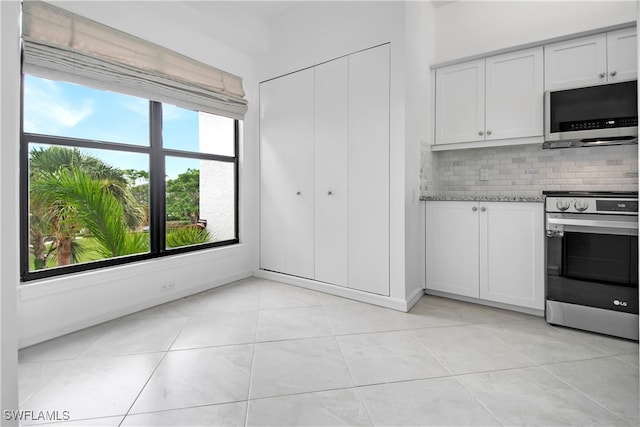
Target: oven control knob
581	205
562	204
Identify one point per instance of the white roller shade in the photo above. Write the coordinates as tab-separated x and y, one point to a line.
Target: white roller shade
63	46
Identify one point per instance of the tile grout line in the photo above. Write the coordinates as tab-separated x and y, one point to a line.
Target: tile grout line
356	385
455	377
431	353
164	356
583	393
253	356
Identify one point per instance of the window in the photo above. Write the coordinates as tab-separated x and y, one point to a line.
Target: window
109	178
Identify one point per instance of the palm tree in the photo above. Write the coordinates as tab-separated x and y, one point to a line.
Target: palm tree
61	217
95	206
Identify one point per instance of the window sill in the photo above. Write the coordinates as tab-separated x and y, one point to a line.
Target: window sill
107	276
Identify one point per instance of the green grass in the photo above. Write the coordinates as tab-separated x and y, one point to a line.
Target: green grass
90	253
177	237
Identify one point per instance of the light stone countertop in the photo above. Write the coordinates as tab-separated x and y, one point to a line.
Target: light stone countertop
483	198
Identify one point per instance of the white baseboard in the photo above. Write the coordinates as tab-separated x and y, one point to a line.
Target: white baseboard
130	309
369	298
414	298
503	306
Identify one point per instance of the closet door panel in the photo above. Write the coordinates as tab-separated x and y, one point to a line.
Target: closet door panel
286	174
368	171
331	139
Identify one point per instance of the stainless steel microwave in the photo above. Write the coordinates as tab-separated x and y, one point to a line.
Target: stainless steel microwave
591	116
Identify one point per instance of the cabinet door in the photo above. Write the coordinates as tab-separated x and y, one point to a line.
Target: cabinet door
514	95
331	138
512	253
622	54
286	174
578	62
460	103
368	170
452	247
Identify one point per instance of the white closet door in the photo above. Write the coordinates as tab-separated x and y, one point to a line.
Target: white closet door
286	174
369	170
331	138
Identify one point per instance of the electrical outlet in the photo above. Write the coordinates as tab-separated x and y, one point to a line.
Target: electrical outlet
168	286
484	174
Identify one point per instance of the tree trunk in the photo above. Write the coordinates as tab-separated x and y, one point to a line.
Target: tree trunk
64	251
39	249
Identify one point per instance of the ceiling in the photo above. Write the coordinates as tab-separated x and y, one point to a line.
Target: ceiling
240	10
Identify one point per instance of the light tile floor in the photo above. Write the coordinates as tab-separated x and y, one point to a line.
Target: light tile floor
258	352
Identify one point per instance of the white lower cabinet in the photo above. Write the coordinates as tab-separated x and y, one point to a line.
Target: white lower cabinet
488	250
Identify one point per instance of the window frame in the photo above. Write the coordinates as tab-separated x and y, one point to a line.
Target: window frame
157	192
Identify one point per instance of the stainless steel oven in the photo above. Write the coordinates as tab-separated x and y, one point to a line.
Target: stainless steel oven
592	261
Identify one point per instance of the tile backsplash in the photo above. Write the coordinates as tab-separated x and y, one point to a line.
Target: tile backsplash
527	170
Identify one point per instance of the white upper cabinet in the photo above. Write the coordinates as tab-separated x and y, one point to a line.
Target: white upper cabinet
460	103
592	60
514	95
496	98
578	62
622	55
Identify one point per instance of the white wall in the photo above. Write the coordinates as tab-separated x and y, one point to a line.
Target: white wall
420	50
467	28
472	28
314	32
9	136
48	308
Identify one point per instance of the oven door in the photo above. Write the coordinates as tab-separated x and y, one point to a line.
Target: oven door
592	260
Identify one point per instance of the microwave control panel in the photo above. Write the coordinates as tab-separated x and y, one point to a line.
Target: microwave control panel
599	124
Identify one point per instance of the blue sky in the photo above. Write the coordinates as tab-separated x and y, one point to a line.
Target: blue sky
64	109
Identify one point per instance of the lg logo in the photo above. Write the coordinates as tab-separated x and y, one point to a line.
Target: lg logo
620	303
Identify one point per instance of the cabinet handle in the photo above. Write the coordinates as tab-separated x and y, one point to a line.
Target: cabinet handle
329	193
298	193
602	75
480	133
474	209
613	73
483	209
488	132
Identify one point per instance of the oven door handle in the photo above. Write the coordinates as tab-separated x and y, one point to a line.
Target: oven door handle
591	225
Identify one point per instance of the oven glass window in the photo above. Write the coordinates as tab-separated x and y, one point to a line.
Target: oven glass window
603	258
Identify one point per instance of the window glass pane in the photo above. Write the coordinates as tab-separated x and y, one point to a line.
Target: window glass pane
86	205
197	132
200	201
64	109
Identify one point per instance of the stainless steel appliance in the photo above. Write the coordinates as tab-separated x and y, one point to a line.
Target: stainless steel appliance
591	116
592	261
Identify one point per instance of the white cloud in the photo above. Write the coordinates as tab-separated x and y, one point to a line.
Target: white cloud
171	112
138	106
46	111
